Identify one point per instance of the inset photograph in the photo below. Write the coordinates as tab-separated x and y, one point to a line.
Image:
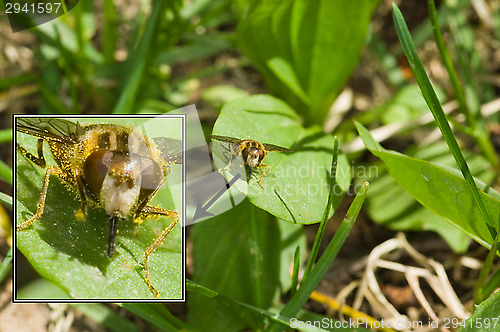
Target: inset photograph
99	207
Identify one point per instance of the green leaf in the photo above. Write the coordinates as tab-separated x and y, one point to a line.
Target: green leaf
390	205
41	289
227	266
442	190
305	49
301	178
485	318
72	254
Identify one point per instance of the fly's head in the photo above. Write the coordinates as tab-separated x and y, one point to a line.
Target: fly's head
123	182
252	154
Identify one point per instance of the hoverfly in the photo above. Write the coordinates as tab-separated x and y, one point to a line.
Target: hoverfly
111	166
252	151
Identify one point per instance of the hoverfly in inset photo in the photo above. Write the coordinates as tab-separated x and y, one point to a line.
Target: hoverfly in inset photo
114	171
253	153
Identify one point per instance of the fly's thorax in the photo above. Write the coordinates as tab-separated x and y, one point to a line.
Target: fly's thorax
66	156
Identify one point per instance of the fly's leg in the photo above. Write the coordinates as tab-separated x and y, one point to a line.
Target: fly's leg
40	160
147	211
83	197
52	170
231	154
263	173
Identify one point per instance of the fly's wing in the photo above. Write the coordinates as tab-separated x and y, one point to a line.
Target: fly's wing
271	147
170	149
227	139
235	143
49	128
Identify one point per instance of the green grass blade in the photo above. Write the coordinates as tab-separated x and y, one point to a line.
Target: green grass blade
51	99
437	111
492	284
236	306
109	31
5	172
6	199
13	81
257	264
478	129
480	292
68	59
125	104
322	226
5	267
295	273
5	135
324	263
445	57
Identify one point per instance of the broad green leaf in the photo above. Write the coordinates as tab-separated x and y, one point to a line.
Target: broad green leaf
305	49
440	189
223	262
300	178
485	318
72	254
389	204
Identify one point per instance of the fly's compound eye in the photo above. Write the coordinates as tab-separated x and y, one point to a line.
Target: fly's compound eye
245	152
125	168
151	174
96	168
261	154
